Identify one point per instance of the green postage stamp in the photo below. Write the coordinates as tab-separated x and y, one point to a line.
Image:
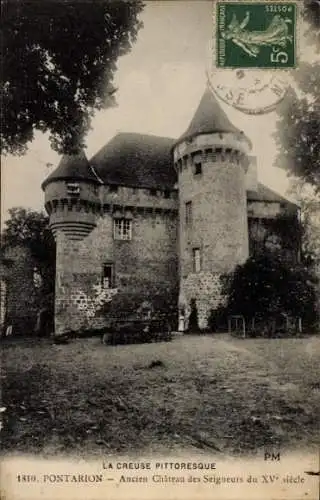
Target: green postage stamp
255	34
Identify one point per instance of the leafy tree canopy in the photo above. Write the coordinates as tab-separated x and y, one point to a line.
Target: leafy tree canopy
29	228
58	65
267	286
297	133
311	14
309	203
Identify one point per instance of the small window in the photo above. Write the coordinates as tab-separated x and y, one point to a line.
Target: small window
122	229
107	276
113	188
196	260
188	213
37	278
73	189
153	192
166	194
273	243
198	168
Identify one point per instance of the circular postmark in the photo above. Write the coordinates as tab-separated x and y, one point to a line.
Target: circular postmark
250	91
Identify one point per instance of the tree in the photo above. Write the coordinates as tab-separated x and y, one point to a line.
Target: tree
267	286
58	65
28	228
280	235
309	202
311	14
297	134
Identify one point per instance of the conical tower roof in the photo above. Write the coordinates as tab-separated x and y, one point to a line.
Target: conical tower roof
208	118
73	168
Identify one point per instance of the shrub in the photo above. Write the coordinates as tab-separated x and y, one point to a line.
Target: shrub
218	319
267	287
138	332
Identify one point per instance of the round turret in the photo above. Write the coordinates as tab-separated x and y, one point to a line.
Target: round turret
72	197
211	161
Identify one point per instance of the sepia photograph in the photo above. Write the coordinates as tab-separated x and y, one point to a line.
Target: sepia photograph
160	249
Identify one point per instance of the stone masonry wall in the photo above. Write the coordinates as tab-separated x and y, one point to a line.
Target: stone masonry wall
144	267
206	289
219	227
20	301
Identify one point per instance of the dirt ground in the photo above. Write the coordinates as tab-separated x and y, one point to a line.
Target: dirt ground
212	393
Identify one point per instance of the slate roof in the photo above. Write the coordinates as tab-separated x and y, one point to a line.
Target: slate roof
263	193
141	160
73	168
136	160
145	160
209	118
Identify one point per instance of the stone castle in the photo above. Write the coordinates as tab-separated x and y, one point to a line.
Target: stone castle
156	219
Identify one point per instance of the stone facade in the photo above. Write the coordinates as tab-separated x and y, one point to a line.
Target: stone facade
144	266
206	289
19	297
211	171
153	219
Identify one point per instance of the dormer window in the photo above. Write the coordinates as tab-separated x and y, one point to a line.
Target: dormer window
73	189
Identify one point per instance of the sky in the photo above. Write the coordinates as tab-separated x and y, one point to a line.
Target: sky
160	84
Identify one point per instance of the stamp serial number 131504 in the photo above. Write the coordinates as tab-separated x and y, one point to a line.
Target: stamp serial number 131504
256	34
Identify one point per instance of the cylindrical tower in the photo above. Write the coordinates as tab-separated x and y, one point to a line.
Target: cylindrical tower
211	161
72	200
72	197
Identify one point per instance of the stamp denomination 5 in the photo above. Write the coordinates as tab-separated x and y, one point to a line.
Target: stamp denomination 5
255	34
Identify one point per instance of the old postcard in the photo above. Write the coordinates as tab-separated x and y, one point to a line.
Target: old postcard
160	250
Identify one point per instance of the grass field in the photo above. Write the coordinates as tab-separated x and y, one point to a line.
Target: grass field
212	393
